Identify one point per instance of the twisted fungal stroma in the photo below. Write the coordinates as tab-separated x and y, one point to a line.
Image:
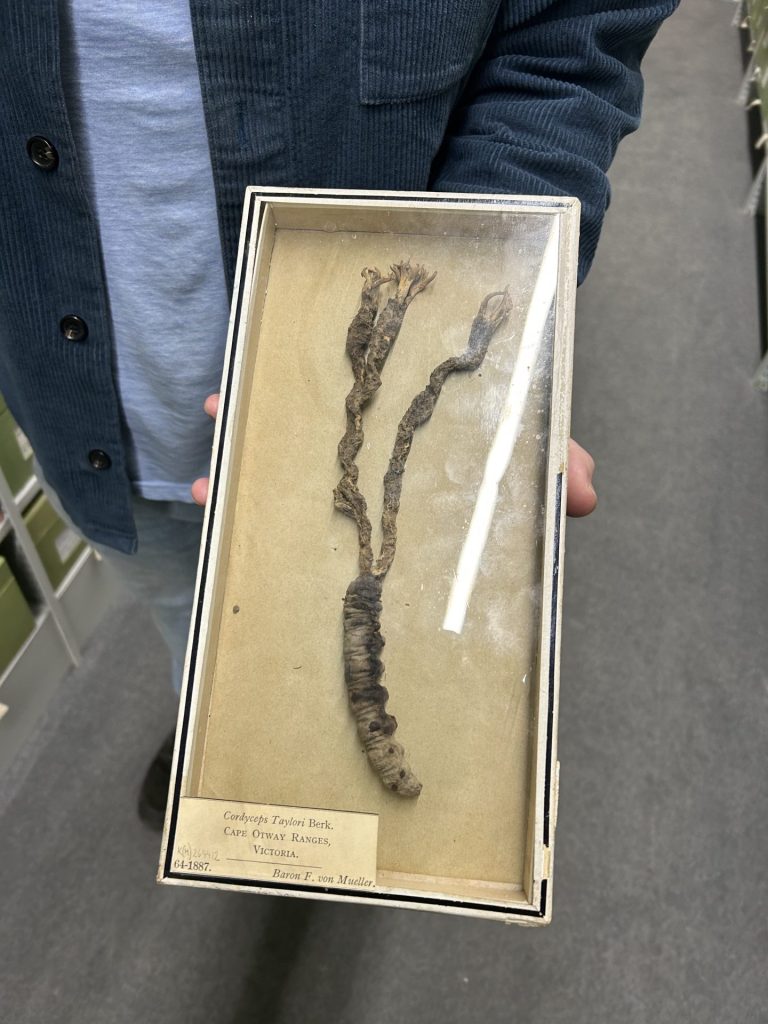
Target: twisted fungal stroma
370	339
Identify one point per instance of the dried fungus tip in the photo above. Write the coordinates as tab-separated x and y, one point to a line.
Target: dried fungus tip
363	670
492	312
373	280
410	280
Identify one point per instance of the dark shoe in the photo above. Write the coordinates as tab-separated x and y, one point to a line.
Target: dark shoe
154	788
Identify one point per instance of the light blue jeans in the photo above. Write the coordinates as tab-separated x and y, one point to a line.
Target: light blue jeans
161	575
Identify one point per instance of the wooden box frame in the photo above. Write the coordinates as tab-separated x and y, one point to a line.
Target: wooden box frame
265	211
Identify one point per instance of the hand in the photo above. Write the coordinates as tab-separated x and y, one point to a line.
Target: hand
581	494
200	487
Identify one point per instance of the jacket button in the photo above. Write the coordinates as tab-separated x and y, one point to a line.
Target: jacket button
42	153
74	328
99	459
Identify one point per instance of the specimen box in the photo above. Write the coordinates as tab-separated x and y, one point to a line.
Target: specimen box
386	509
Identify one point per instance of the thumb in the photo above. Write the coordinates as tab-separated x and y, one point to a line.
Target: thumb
582	498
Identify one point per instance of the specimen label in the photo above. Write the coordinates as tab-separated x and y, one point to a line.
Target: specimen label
269	842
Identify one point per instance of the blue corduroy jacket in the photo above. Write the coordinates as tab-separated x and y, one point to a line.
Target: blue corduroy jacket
514	96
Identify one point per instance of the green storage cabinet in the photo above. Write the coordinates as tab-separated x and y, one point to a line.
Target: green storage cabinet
15	450
16	618
57	544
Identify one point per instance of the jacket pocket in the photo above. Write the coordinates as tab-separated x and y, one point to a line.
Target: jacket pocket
411	49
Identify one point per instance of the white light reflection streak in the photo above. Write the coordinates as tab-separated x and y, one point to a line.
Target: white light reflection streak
503	445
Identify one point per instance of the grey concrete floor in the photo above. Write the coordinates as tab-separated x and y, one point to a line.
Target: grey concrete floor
660	895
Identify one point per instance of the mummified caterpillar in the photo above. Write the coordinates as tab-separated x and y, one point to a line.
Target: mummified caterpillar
363	641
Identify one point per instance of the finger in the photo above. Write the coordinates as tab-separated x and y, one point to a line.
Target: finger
211	405
582	498
200	490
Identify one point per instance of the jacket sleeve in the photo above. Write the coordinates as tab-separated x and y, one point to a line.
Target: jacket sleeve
556	89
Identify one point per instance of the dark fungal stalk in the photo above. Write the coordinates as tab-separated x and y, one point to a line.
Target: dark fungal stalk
347	496
369	342
490	315
363	641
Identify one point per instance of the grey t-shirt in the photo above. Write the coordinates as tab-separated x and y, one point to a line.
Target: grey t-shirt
133	95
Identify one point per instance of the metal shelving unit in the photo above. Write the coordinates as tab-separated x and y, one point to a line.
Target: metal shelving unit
65	616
